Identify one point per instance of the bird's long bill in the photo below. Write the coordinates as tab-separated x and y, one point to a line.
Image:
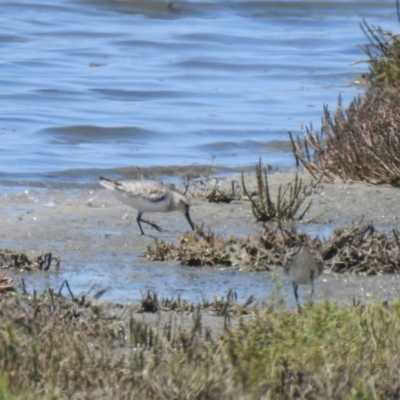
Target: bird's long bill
187	215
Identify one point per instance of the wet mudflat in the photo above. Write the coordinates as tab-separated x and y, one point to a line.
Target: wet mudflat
98	242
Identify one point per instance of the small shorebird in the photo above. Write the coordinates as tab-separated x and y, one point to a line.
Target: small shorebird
303	265
150	197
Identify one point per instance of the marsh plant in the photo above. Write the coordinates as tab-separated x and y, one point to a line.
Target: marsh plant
61	350
215	194
17	260
383	53
203	247
361	143
362	249
358	248
211	189
289	199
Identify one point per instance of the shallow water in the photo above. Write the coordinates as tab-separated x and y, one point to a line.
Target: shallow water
130	282
96	85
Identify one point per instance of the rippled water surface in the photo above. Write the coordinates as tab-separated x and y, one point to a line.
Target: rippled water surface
108	84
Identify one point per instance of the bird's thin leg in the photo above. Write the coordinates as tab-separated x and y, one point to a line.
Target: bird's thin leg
187	215
296	296
138	219
312	292
312	287
153	225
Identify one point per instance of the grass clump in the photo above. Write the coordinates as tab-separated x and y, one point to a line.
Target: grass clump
383	54
15	260
362	142
362	249
151	303
359	249
194	249
211	190
58	349
288	201
207	248
324	353
215	194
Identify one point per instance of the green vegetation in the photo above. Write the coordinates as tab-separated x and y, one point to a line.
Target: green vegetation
383	54
55	348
